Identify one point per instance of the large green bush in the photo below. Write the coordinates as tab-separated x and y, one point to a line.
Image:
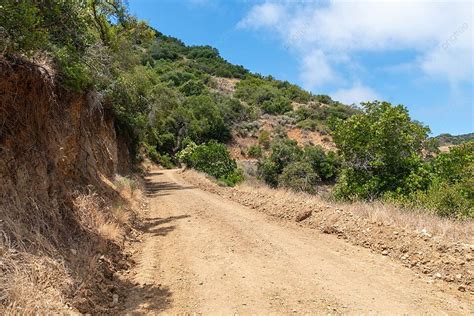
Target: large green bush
325	165
283	152
278	105
289	165
214	159
299	176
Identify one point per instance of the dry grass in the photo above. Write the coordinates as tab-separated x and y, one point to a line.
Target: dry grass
31	283
97	216
34	276
375	212
417	220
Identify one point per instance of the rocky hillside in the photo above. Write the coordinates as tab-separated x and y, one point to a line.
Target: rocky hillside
449	140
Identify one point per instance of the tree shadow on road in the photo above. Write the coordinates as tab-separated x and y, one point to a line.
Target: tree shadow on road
153	188
152	225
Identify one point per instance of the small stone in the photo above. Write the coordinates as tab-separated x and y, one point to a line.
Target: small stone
462	288
74	251
437	275
303	215
385	252
115	298
424	233
458	276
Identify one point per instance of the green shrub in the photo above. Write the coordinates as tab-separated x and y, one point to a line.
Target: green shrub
163	159
449	200
269	172
152	153
74	75
204	119
192	87
308	124
166	161
299	176
185	155
21	28
283	152
452	166
254	151
264	139
277	105
214	159
233	178
451	189
322	98
326	166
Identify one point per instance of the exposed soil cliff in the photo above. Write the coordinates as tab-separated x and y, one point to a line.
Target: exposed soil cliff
58	153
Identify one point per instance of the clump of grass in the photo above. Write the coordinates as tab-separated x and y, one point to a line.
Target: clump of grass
126	185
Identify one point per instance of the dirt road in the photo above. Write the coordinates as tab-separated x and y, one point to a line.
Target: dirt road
204	254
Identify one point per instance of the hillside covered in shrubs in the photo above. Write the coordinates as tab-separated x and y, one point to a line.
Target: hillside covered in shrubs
167	101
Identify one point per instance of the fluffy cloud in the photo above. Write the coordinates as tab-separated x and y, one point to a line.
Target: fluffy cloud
356	94
440	33
315	70
264	15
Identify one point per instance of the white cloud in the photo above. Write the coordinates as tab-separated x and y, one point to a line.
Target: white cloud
263	15
453	59
315	70
439	33
356	94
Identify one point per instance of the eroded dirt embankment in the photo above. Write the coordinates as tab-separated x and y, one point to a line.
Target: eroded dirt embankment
440	251
58	151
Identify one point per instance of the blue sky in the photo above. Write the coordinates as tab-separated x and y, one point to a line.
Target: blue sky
416	53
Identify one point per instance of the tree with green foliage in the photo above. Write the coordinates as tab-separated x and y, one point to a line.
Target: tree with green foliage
381	150
451	188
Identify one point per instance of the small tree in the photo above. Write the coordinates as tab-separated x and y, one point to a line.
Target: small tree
381	151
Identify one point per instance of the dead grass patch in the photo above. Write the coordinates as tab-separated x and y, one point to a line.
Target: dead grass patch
41	272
